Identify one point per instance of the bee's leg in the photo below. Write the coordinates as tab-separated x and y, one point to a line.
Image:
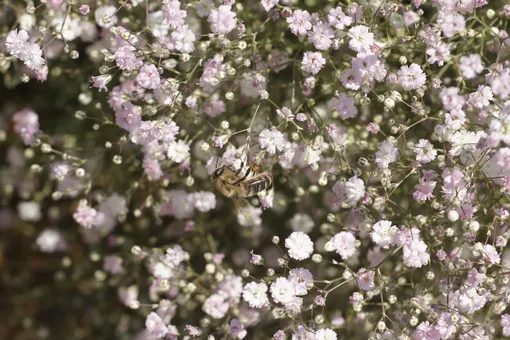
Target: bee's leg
240	169
255	168
246	174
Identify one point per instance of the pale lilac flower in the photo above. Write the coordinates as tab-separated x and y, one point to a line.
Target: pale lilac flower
505	324
193	330
255	294
16	42
365	279
482	97
156	326
386	153
300	245
113	264
268	4
313	62
344	105
415	254
426	331
184	39
490	254
425	152
223	19
173	14
216	306
84	10
100	82
452	24
325	334
300	22
285	113
204	200
301	278
321	36
279	335
129	116
455	119
26	125
148	77
282	291
354	189
338	19
271	140
88	217
126	58
344	244
470	65
411	77
236	329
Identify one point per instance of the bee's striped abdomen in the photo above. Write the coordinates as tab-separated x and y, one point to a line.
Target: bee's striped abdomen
257	184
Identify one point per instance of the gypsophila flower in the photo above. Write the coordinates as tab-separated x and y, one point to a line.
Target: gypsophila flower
425	152
173	15
178	151
344	105
223	19
411	77
271	140
282	290
344	244
156	326
255	294
88	217
325	334
148	77
386	154
300	22
300	245
312	62
383	233
361	39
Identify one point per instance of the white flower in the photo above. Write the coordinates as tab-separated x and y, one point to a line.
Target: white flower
425	152
105	16
155	325
282	290
386	153
325	334
354	189
300	245
311	156
255	294
271	140
302	222
344	244
383	233
300	277
50	241
183	38
178	151
29	211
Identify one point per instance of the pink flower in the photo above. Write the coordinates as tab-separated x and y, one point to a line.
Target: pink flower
321	36
505	324
101	81
156	326
425	152
415	254
216	306
129	116
300	22
424	190
148	77
26	125
482	97
411	77
126	58
338	19
344	244
268	4
223	19
88	217
452	24
173	15
236	329
183	39
313	62
365	279
470	65
344	105
84	10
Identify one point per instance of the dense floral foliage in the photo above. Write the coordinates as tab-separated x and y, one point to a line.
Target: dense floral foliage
385	126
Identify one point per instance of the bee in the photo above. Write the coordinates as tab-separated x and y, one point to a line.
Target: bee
238	185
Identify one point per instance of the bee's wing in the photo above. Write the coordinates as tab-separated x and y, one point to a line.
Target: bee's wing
242	206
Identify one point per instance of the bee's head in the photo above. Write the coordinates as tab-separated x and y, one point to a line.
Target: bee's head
217	173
